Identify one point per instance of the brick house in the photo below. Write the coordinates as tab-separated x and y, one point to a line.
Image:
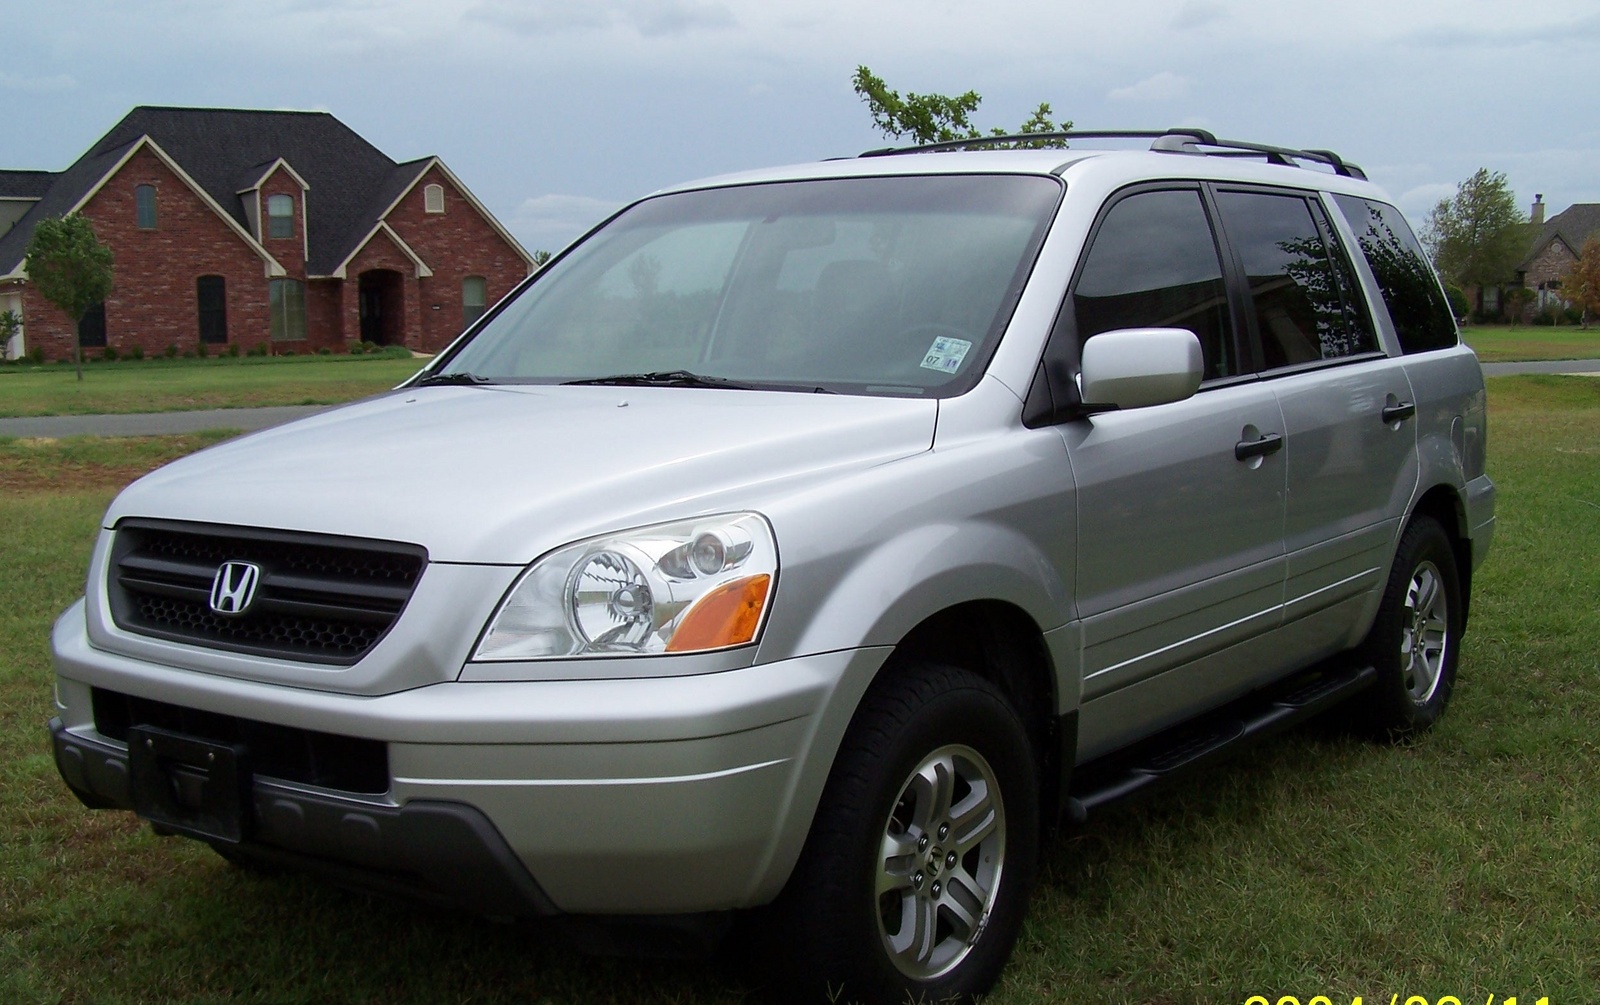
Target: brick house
1557	247
253	227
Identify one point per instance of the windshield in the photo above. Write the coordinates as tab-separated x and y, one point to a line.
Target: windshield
862	285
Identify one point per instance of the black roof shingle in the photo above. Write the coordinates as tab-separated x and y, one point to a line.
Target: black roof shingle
1574	225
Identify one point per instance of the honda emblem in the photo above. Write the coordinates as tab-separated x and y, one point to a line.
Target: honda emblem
233	589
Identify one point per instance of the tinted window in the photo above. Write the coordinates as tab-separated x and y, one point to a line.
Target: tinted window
1297	297
92	327
1154	264
1410	290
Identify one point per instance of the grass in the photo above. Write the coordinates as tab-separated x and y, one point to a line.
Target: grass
1503	344
185	385
1466	863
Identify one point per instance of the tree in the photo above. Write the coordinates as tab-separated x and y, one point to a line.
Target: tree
1516	301
1581	286
10	324
540	257
70	268
936	118
1478	237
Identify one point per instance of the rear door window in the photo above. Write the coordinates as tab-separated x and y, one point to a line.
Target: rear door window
1304	308
1410	289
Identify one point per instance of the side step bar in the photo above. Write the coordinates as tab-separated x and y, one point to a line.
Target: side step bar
1212	737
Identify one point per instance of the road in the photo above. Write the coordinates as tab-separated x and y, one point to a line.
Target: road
246	419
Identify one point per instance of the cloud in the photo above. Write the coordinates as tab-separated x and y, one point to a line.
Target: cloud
1164	86
552	222
650	18
37	85
1198	15
1418	201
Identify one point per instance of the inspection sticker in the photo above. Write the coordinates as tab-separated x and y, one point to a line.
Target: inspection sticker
946	354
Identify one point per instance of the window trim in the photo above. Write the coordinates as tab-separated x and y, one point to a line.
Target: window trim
433	198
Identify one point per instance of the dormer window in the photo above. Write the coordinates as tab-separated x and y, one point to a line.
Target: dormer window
280	216
433	199
144	206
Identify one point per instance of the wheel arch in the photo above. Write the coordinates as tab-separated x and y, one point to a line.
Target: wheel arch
1445	505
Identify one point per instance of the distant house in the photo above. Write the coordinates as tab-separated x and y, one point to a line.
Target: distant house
252	228
1558	245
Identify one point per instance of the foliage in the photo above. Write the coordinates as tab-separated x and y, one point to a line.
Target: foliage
1516	301
1457	299
1478	237
1581	286
70	268
540	257
10	324
937	118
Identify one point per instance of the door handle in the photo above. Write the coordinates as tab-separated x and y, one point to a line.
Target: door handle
1270	443
1397	413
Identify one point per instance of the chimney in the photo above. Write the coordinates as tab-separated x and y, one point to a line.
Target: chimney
1537	214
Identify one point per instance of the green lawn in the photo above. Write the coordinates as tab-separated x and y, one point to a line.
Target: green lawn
184	385
1466	863
1502	344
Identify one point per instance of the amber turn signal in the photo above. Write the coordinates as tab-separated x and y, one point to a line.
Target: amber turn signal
727	616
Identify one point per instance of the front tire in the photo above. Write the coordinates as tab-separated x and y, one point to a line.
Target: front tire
1415	641
915	877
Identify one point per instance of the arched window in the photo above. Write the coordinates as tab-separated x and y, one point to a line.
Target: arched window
280	216
211	295
474	299
144	206
286	299
433	199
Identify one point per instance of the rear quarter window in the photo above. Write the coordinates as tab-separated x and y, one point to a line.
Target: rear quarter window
1410	289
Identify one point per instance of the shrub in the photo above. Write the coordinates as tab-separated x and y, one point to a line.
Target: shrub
1573	316
1545	317
233	349
110	354
137	352
37	355
324	351
171	351
259	349
1458	301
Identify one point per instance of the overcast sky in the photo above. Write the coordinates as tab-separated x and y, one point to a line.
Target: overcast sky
555	111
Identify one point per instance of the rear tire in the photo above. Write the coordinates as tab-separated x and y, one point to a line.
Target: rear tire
1415	641
915	878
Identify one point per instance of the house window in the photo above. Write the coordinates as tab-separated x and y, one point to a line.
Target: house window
474	298
211	294
280	216
287	300
433	199
92	327
144	206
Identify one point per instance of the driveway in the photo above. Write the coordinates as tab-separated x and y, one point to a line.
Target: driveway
246	419
155	423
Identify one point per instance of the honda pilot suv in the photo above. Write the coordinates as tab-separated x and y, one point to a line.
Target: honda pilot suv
813	540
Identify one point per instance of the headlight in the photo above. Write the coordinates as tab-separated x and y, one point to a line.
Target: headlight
678	587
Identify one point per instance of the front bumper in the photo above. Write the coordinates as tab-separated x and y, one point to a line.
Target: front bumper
673	795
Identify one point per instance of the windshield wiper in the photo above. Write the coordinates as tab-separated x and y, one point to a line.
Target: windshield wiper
662	378
459	377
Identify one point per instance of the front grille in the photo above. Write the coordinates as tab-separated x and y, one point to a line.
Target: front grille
319	599
295	755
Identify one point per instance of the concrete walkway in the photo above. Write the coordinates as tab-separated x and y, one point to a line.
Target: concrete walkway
246	419
154	423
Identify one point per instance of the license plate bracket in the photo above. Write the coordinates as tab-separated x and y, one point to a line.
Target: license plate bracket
192	786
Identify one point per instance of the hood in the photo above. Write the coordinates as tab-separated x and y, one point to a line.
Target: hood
502	474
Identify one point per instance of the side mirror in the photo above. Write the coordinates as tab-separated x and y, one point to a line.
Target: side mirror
1136	367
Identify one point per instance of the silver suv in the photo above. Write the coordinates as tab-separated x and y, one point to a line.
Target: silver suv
813	540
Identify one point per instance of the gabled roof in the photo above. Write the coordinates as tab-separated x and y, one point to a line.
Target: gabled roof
217	148
1573	226
26	184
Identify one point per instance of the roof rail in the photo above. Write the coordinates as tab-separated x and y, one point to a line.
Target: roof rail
1185	140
